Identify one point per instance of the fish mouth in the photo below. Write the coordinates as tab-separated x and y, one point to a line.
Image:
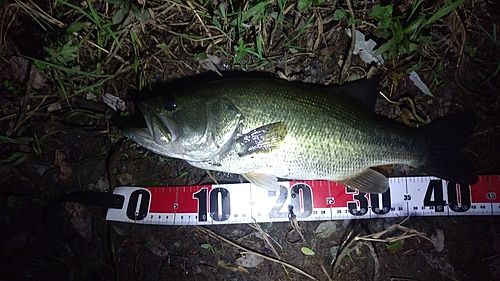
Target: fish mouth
162	129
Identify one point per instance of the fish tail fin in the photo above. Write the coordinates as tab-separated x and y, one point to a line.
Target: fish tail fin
447	137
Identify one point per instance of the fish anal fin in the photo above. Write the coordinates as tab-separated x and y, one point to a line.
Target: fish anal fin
368	181
266	181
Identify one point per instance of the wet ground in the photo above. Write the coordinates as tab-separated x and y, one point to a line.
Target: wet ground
57	138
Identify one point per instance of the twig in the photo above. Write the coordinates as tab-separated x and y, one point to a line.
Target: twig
485	131
215	235
295	227
326	273
199	18
347	61
461	52
376	262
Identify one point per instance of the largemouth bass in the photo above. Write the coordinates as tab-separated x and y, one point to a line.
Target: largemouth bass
266	129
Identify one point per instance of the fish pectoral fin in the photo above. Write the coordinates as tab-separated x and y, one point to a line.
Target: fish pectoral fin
368	181
262	139
266	181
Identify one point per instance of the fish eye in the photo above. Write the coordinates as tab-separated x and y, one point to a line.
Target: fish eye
170	105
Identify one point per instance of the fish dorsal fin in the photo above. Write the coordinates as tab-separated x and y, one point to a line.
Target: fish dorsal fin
368	181
266	181
262	139
364	90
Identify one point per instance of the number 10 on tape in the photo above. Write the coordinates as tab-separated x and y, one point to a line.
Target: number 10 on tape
307	200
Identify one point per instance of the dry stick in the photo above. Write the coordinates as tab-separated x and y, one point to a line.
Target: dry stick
408	233
23	119
8	25
199	18
347	61
485	131
326	272
376	262
213	234
266	237
320	30
41	13
461	52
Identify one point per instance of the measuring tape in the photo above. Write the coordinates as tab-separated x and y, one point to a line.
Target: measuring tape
307	200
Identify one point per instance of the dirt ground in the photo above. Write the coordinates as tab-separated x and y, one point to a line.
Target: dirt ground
57	136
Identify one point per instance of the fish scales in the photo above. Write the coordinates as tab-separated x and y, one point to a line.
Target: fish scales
329	135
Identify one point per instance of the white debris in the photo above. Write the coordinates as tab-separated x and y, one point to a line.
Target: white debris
415	78
54	107
438	240
365	49
90	96
114	102
249	260
211	63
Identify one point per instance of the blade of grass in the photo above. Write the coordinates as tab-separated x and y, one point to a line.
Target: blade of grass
447	8
68	70
32	15
303	29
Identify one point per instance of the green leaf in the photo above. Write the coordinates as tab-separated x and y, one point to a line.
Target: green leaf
391	44
317	2
397	29
64	55
77	26
383	15
339	14
6	139
395	246
222	9
120	15
206	246
115	2
304	4
141	15
307	251
259	47
414	27
447	8
216	22
255	12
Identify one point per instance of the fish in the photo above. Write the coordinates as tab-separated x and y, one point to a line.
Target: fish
270	128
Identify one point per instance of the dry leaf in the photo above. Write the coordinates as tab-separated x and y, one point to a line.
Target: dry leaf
80	219
249	260
124	178
231	268
325	229
156	247
18	69
65	172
